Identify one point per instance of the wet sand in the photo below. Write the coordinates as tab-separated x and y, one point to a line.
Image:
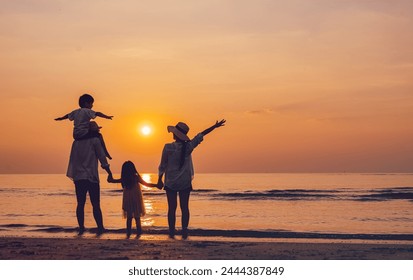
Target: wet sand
92	248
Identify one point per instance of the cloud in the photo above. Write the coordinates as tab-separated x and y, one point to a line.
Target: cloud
261	112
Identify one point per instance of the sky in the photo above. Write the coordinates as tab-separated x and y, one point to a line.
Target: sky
305	85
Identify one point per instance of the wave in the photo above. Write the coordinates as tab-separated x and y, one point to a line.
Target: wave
280	194
226	233
404	193
57	194
386	174
158	193
387	194
114	191
351	194
25	215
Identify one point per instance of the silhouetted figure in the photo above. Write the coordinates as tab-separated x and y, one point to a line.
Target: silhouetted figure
83	170
132	201
176	164
83	127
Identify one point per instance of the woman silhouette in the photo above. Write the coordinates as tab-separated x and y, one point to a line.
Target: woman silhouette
176	164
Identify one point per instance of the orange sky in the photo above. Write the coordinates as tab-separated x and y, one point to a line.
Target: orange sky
305	86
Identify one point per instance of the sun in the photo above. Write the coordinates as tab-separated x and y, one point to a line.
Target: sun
146	130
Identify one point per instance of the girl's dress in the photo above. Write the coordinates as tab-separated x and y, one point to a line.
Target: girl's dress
132	202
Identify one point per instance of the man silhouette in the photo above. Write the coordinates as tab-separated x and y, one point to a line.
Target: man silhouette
83	170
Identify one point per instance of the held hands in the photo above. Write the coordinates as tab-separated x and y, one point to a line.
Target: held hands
110	179
160	185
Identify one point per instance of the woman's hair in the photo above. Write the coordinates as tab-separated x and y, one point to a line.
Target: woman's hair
183	154
128	174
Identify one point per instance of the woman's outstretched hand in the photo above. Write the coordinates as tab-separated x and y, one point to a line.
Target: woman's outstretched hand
216	125
220	123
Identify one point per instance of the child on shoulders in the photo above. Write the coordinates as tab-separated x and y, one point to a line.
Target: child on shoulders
83	127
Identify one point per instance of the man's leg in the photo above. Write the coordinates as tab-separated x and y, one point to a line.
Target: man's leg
94	193
81	191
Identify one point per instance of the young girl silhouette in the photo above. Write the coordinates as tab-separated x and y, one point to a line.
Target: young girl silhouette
132	202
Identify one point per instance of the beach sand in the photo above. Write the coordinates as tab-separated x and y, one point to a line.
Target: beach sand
73	248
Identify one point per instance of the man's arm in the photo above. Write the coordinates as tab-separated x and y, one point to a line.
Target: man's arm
100	114
107	169
110	179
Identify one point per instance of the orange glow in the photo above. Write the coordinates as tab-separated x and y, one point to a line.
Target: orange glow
302	87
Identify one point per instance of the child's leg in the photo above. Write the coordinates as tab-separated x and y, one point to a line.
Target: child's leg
94	132
138	226
104	145
128	225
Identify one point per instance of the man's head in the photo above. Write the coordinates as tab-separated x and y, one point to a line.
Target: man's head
93	126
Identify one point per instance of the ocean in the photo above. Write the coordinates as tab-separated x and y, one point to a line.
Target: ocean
258	205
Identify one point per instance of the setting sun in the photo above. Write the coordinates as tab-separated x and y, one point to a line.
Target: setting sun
146	130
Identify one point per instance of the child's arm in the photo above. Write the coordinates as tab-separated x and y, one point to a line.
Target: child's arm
62	118
216	125
100	114
111	180
141	181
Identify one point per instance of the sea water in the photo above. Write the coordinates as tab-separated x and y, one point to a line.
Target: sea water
365	206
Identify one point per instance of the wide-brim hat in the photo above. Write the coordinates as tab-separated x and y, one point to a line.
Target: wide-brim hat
180	131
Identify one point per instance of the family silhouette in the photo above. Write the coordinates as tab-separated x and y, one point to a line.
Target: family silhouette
175	172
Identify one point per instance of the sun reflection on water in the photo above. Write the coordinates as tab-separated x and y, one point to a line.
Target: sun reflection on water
147	178
147	220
